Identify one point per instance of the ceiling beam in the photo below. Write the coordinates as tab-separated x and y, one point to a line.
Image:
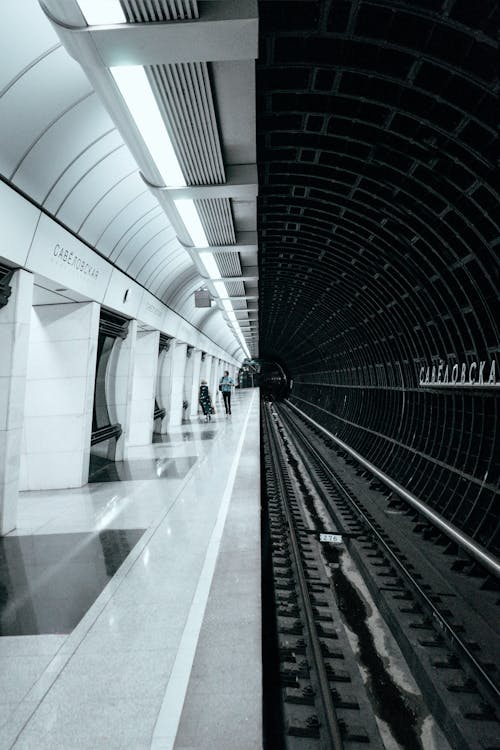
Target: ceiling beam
244	277
242	298
222	33
245	242
241	184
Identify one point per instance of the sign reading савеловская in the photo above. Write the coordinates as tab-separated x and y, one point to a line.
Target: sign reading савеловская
462	374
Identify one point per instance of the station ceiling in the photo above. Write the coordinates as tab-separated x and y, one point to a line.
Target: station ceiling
70	144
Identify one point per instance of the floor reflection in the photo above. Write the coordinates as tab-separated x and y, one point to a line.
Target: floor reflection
165	437
48	582
104	470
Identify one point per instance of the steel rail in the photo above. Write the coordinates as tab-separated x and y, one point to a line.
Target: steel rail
441	620
489	562
333	727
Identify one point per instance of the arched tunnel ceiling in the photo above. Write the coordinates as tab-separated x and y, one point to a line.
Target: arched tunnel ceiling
378	236
376	135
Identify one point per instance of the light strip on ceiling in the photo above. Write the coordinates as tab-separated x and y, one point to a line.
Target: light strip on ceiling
98	12
189	215
212	269
139	98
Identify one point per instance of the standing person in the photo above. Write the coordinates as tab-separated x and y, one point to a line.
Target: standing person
225	385
205	401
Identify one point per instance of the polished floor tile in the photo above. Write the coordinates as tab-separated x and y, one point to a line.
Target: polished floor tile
48	582
102	470
104	684
18	674
113	724
186	436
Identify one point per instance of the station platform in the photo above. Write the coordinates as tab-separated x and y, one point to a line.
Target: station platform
130	612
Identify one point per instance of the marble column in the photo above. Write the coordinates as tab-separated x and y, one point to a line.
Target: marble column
195	385
59	395
14	337
216	375
164	383
188	381
206	372
142	405
175	409
119	378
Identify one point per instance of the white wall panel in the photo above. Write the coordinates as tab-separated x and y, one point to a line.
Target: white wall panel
130	233
141	208
152	312
23	19
18	219
135	240
61	145
156	246
56	254
59	395
35	100
123	294
120	195
178	266
45	356
169	260
99	145
100	178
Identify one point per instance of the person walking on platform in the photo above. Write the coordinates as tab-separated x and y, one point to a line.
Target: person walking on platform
225	385
205	401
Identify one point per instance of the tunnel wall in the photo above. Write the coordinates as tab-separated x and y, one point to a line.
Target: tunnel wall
439	445
378	235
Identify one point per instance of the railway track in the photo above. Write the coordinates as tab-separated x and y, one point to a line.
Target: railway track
425	610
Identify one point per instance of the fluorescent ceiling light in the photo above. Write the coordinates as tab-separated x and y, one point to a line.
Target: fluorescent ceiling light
212	269
189	215
245	349
139	98
211	266
98	12
221	290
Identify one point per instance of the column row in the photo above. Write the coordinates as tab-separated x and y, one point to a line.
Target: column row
77	383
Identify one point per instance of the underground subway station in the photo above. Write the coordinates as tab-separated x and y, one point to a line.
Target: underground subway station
249	375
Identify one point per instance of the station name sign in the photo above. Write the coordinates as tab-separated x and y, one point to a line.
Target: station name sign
75	260
459	374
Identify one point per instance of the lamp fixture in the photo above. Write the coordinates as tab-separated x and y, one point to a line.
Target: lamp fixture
210	264
98	12
135	89
212	269
190	217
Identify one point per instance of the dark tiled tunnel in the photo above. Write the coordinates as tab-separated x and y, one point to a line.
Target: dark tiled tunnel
379	265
